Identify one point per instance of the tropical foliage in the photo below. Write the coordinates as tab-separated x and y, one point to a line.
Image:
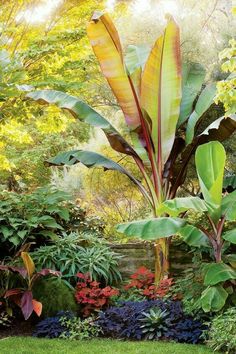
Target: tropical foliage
153	110
23	297
210	164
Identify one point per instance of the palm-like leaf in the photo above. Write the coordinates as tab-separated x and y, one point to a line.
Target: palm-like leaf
93	159
85	113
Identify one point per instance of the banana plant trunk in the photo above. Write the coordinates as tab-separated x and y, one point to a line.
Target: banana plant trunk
161	260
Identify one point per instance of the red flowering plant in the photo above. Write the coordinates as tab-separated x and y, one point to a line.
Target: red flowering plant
143	280
91	296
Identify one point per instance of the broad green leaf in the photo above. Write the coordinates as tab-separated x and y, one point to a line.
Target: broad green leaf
107	48
210	162
176	206
22	233
152	229
7	232
217	273
205	100
28	262
136	57
213	298
231	259
84	113
230	236
193	75
193	236
64	214
229	206
161	90
49	221
93	159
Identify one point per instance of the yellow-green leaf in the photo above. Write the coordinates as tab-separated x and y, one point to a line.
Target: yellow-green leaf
161	90
107	48
28	262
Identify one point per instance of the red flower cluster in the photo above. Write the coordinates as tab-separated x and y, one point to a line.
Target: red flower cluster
143	279
91	296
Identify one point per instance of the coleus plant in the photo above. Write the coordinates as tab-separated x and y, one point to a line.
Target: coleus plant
220	275
162	107
91	296
23	297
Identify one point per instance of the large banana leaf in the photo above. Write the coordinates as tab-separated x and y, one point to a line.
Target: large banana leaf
193	236
213	298
219	130
217	273
205	100
210	163
85	113
152	229
193	75
174	207
93	159
230	236
161	90
107	48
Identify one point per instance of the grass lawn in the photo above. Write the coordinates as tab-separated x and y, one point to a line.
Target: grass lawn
27	345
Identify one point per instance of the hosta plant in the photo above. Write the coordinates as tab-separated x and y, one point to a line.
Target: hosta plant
162	107
220	275
23	296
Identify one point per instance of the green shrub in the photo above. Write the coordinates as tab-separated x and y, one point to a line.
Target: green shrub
55	296
77	329
39	216
69	257
222	334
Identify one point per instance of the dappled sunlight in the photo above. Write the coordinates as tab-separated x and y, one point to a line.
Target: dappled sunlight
39	13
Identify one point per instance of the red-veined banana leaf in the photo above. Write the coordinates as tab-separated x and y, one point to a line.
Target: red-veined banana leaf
107	48
85	113
93	159
193	75
210	163
161	91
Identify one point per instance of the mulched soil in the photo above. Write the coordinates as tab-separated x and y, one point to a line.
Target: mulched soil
18	328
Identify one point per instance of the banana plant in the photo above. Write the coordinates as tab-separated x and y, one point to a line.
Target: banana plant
210	163
162	108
